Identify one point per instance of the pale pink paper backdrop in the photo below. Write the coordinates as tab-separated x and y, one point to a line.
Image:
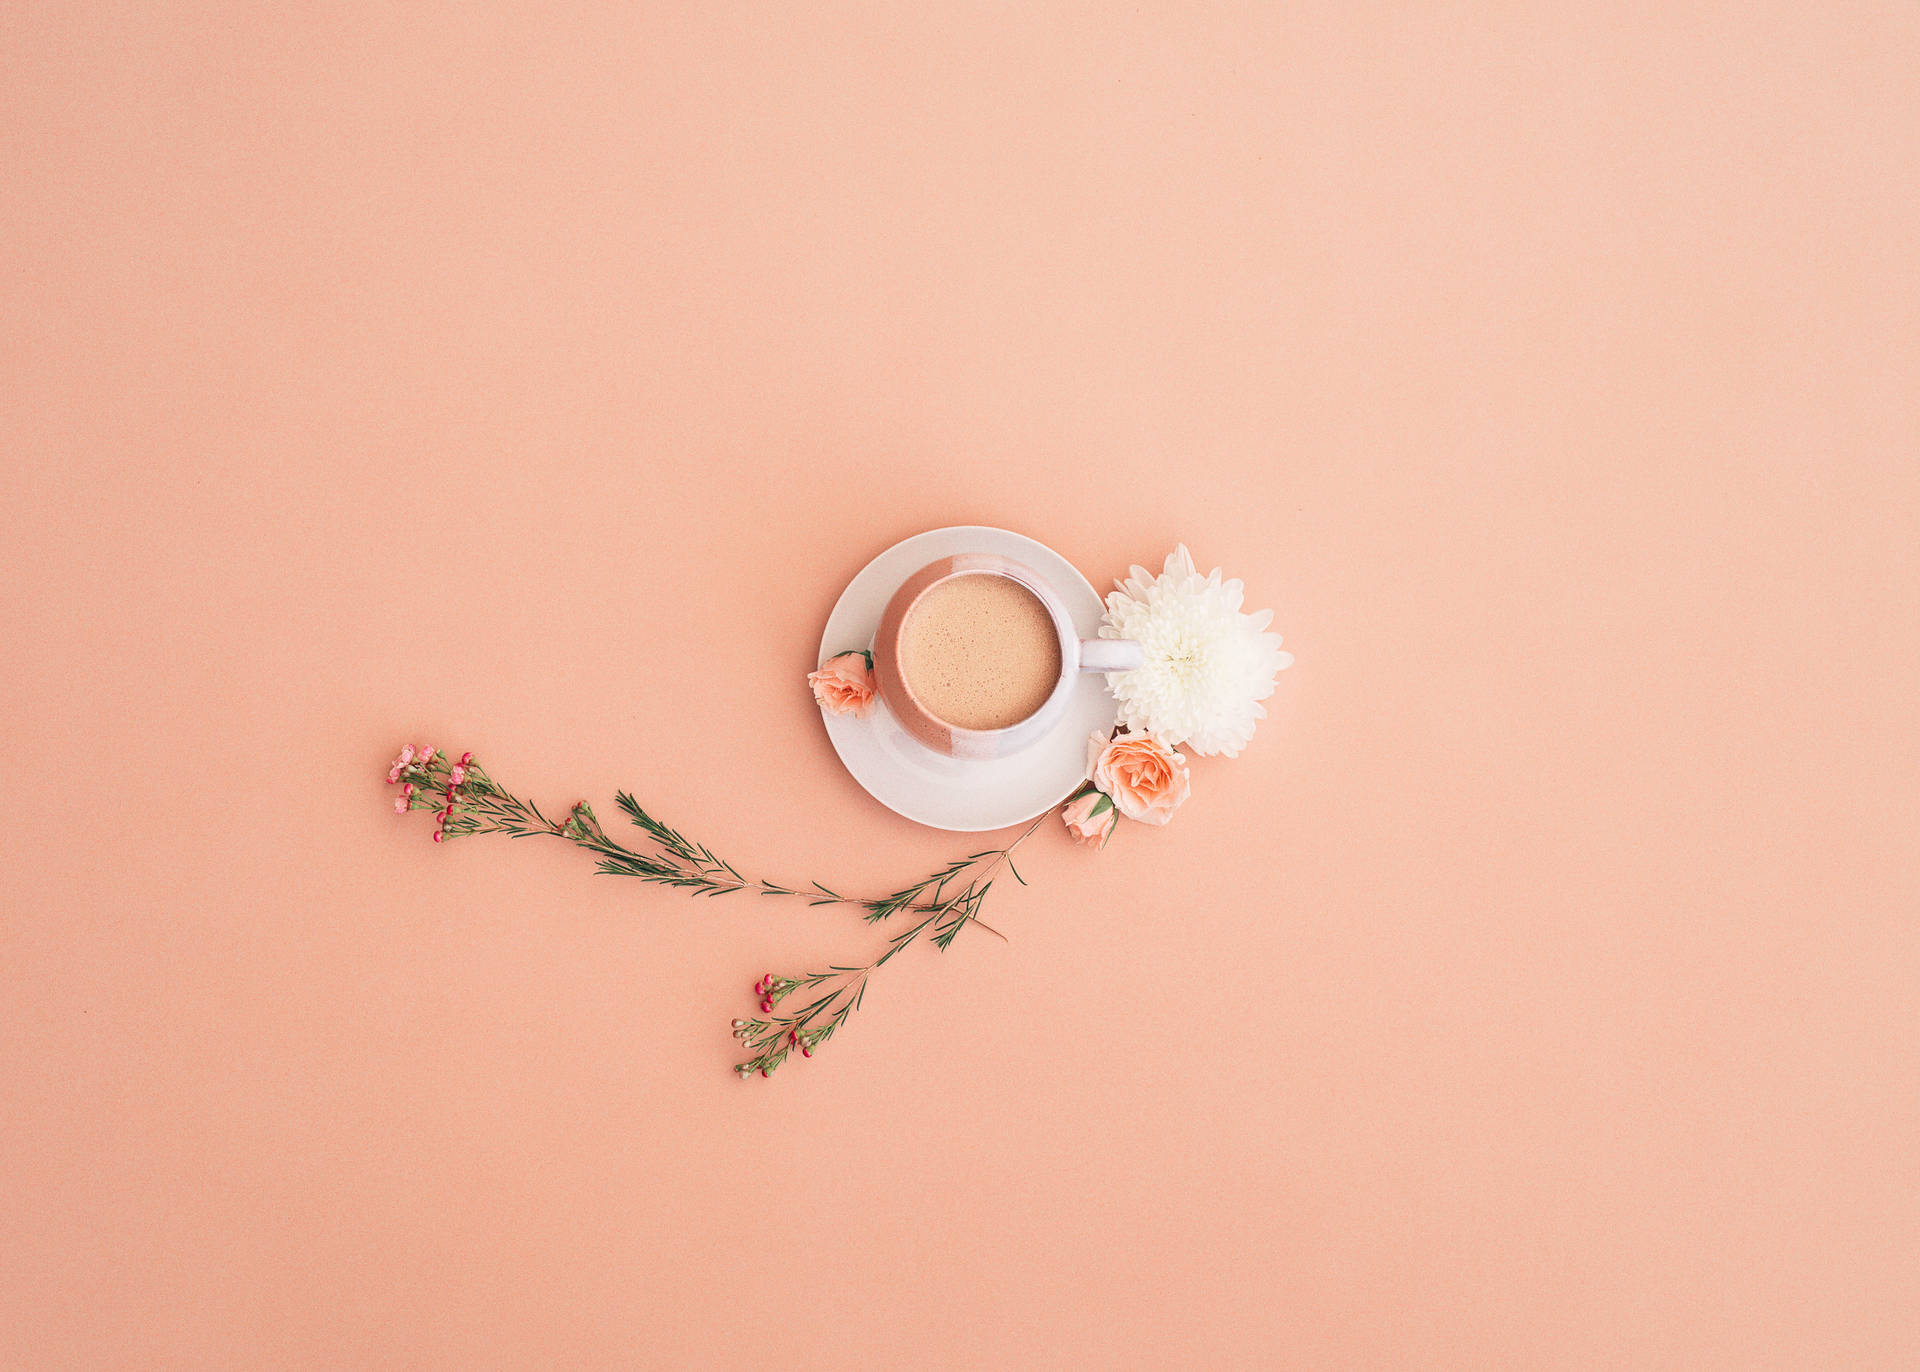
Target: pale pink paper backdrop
1538	990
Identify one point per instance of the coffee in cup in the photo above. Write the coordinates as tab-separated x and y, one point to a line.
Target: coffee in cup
976	656
980	651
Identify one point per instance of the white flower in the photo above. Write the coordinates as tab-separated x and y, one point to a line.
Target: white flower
1208	665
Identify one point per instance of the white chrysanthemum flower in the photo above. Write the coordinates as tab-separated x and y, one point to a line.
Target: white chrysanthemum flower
1208	665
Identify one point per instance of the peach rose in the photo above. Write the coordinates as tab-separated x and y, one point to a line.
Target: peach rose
1091	818
1145	777
844	685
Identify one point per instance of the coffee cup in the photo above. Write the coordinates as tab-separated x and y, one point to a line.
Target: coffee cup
976	656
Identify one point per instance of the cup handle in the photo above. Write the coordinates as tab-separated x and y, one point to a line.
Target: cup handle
1110	655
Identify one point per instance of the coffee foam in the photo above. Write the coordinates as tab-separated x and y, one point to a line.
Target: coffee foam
980	651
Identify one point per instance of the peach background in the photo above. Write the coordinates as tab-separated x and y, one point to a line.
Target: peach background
1538	990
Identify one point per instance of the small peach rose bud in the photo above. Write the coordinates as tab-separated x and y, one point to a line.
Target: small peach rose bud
844	685
1091	818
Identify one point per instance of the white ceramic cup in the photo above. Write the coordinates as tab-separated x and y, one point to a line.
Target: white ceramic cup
1076	655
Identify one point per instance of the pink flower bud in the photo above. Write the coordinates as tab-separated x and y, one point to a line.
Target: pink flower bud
765	1073
447	813
426	755
438	835
806	1052
465	758
409	788
400	806
766	1006
393	776
457	775
844	685
1090	818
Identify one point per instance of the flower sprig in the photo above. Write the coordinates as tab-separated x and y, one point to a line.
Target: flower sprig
771	1038
467	800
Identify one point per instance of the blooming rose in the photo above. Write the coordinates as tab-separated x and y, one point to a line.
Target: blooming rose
844	685
1091	818
1145	777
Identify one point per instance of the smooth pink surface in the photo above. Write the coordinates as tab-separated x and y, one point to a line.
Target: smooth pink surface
1538	990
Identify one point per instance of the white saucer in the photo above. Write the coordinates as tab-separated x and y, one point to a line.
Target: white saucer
922	785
